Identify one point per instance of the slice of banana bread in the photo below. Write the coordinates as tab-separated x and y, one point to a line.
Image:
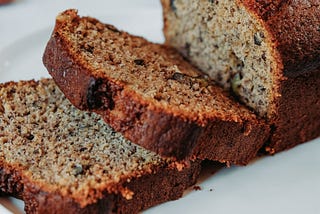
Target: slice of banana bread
266	52
61	160
149	93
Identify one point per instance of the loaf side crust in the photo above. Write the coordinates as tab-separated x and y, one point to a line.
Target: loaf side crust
295	29
298	118
294	26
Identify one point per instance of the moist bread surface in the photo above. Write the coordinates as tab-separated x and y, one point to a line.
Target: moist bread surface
149	93
59	159
259	50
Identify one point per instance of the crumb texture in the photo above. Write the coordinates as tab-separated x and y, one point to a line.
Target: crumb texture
228	43
62	148
157	73
259	50
149	93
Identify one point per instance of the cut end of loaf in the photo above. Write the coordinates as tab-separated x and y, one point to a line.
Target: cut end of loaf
228	43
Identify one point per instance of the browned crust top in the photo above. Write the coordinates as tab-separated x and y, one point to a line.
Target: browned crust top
295	26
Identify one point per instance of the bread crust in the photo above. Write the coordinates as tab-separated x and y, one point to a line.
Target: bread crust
298	118
294	25
167	183
154	128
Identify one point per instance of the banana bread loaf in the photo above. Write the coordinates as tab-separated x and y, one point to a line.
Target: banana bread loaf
149	93
61	160
266	52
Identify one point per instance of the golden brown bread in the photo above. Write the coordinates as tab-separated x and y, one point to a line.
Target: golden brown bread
149	93
267	53
58	159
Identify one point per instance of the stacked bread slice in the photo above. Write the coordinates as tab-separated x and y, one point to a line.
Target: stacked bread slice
58	159
149	93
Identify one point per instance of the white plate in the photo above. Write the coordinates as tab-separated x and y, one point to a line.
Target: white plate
288	182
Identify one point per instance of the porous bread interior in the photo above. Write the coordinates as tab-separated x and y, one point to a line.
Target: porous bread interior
156	72
229	44
71	151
